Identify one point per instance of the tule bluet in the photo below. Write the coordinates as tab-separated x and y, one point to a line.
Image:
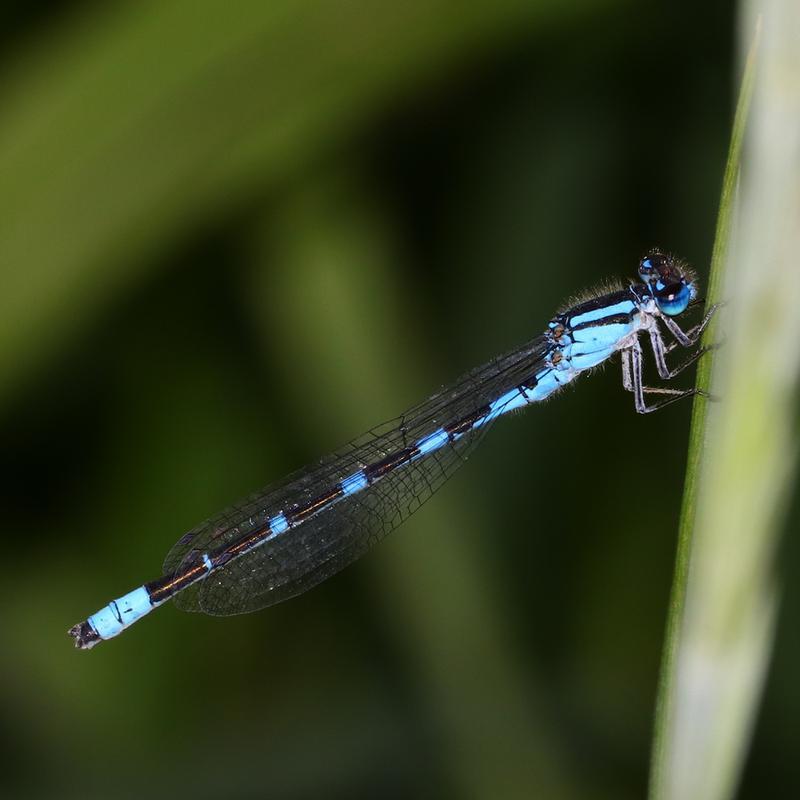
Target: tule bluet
294	534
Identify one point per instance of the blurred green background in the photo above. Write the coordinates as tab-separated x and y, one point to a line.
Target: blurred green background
233	238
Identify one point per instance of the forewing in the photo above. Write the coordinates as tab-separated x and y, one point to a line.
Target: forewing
306	554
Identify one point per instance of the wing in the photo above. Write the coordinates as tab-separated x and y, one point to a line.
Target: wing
317	548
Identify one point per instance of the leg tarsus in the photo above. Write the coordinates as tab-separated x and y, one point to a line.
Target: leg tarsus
681	394
698	354
632	376
687	339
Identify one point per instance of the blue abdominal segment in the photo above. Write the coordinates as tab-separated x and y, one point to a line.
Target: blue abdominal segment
120	613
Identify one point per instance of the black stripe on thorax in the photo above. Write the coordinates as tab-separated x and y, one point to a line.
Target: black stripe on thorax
597	303
614	319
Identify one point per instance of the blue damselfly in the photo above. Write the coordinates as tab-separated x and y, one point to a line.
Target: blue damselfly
287	538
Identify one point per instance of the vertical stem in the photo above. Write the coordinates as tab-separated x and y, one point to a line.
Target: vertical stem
665	700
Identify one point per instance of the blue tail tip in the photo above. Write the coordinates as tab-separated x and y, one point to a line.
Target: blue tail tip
85	636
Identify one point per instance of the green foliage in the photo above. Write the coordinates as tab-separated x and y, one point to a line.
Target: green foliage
741	459
124	129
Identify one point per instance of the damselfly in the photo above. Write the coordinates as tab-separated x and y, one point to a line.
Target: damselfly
294	534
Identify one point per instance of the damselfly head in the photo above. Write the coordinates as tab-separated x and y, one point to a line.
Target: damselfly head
670	281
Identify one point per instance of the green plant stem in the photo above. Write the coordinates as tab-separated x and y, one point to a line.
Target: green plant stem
665	700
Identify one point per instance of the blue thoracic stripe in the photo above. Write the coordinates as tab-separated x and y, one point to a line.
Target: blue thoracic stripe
354	483
596	314
601	336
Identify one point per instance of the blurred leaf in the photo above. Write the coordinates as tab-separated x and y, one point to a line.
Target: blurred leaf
133	122
336	262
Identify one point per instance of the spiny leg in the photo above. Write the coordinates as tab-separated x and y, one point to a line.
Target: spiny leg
687	339
632	361
627	381
659	353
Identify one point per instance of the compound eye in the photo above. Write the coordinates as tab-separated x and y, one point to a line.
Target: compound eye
673	299
652	266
